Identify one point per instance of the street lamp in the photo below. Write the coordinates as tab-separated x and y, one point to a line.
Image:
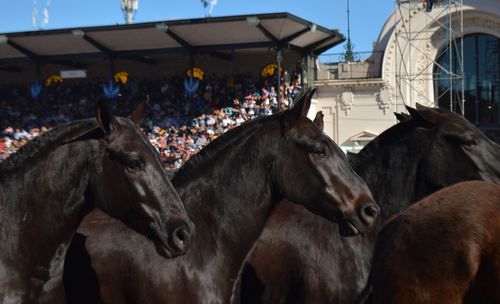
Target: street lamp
279	59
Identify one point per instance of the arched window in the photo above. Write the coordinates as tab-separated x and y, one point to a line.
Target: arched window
482	82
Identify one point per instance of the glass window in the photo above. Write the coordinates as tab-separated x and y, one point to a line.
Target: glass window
481	82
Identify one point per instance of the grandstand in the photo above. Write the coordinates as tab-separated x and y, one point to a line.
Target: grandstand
51	77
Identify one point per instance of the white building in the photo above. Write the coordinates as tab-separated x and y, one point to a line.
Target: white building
410	64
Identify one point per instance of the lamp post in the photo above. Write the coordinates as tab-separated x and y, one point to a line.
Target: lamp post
129	8
279	59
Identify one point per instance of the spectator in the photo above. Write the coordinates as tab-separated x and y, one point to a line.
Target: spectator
178	126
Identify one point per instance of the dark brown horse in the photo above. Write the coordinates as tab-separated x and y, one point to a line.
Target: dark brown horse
50	184
443	249
229	190
299	259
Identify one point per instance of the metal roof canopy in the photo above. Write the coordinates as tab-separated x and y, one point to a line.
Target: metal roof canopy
138	41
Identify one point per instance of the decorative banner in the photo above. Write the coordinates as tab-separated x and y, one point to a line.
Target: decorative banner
35	90
191	84
110	90
269	70
195	73
53	80
121	77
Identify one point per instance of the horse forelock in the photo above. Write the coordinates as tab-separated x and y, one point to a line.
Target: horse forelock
43	143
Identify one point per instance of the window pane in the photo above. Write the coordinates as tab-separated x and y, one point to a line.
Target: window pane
482	81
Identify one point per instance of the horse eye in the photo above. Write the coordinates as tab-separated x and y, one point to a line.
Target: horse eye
462	140
134	164
319	152
470	143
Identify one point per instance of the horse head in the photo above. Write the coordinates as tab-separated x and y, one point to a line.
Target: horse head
456	149
133	186
313	171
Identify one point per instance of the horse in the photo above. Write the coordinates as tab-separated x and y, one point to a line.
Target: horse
298	258
52	182
229	190
443	249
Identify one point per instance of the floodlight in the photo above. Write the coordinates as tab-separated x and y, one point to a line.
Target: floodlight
253	20
162	27
78	33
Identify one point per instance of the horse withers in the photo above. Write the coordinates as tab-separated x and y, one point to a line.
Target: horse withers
443	249
229	189
51	183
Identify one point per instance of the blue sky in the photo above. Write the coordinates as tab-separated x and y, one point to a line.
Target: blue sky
367	16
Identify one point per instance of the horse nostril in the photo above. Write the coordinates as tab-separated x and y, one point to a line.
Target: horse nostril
181	239
369	213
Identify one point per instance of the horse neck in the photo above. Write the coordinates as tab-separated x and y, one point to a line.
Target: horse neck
44	204
391	176
229	202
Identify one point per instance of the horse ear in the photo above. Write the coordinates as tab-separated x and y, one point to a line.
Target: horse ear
139	113
423	117
318	120
402	116
300	108
302	105
105	119
420	106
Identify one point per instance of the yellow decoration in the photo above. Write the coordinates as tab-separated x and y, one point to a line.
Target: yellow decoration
53	80
269	70
230	82
121	77
195	73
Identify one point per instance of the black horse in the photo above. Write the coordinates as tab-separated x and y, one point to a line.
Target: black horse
298	258
50	184
229	189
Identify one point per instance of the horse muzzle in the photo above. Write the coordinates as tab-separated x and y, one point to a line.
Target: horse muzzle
361	222
177	241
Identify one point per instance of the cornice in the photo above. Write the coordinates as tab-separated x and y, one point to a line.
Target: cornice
349	83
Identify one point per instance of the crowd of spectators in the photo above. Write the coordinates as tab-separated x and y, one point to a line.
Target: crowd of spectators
178	124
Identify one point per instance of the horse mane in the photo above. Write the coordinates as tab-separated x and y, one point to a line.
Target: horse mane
387	137
43	143
221	143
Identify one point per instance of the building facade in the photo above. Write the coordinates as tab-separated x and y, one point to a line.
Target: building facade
445	55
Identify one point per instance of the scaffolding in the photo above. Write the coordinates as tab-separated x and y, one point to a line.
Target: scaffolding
445	17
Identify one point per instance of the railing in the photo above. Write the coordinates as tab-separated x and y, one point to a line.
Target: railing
335	58
366	65
423	2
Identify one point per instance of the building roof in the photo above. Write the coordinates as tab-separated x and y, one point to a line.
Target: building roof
217	34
